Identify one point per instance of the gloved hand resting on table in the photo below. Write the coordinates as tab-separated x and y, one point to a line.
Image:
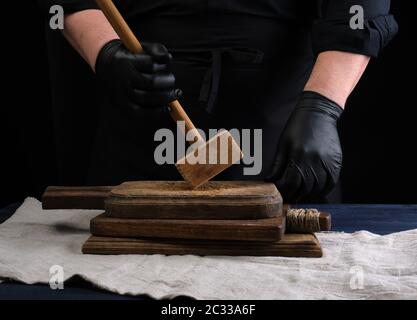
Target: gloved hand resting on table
309	156
136	81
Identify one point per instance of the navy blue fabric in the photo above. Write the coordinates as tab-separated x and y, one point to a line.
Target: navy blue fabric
380	219
376	218
83	291
7	212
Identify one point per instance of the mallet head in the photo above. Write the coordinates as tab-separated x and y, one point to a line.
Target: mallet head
209	159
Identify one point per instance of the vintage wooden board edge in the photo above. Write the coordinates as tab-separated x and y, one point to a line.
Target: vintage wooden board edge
173	200
205	205
93	197
221	211
292	245
178	189
269	230
56	197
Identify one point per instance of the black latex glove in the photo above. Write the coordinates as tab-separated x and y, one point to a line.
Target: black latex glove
136	81
309	157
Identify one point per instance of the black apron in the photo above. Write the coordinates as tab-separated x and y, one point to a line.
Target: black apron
241	64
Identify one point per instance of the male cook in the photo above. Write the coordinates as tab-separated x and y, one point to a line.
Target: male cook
284	66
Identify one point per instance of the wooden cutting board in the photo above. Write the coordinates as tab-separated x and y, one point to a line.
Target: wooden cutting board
291	245
57	197
222	200
172	200
269	229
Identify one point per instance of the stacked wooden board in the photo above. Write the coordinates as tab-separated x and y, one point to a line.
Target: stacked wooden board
166	217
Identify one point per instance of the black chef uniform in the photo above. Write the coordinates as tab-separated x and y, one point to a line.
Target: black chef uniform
240	63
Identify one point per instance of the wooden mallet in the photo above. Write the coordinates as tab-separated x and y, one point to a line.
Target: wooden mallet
207	159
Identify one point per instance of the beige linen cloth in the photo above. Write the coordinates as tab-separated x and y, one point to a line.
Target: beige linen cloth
355	266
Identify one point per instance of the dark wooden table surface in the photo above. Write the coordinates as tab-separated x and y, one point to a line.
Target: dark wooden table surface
380	219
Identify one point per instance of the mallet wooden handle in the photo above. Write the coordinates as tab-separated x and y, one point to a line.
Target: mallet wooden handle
133	45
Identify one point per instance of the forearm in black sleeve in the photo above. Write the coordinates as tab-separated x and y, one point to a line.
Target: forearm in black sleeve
332	30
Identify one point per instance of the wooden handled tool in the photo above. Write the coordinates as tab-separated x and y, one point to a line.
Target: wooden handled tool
195	173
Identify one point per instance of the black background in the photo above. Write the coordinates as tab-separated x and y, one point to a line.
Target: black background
378	129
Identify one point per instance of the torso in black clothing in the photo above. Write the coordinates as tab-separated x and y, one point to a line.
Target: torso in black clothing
240	63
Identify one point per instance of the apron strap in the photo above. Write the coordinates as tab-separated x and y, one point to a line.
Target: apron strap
211	81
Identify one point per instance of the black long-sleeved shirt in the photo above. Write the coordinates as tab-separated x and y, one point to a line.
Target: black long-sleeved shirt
331	18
